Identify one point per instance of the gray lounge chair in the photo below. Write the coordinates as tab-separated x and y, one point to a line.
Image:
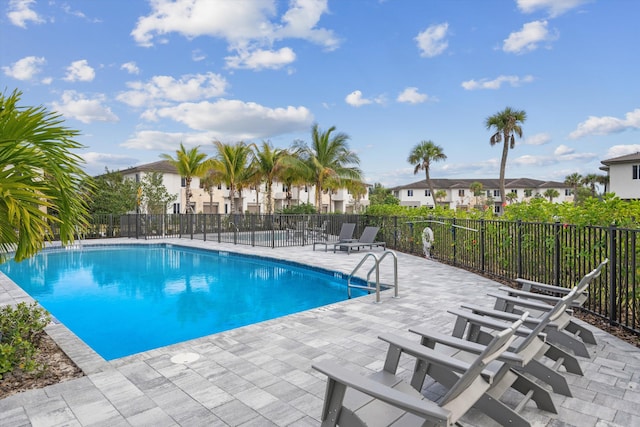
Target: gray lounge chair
384	399
566	332
346	235
531	347
366	240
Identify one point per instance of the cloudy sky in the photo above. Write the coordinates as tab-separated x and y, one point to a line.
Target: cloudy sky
137	78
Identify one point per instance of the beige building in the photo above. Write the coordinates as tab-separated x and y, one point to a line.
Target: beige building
251	200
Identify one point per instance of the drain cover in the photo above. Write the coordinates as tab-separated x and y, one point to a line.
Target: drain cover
185	357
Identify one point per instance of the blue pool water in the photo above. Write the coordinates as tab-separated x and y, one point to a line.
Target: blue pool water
125	299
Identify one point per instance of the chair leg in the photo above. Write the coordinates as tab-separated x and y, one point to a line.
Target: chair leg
569	362
539	370
540	396
584	334
500	412
567	340
333	399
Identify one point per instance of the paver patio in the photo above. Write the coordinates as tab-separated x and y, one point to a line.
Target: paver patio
261	375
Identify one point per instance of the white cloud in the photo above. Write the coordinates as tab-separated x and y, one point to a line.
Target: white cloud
247	26
528	38
355	99
168	141
563	150
537	139
237	119
161	90
77	106
260	59
20	13
514	81
97	162
607	125
431	41
80	71
412	96
197	55
130	67
554	7
25	68
621	150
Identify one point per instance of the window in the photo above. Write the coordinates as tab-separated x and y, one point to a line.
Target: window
410	193
461	193
496	193
219	186
488	193
427	192
176	208
137	177
496	209
636	172
183	181
514	191
568	192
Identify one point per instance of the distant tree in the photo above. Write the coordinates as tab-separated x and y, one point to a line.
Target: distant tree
440	195
113	194
574	181
358	189
270	164
422	156
189	163
40	177
507	124
476	189
232	165
512	197
379	195
604	181
328	156
528	192
155	198
551	193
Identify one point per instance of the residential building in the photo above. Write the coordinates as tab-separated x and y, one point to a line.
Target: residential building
457	193
249	200
624	175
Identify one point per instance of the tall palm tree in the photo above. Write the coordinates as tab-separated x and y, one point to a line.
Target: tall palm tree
574	181
270	163
590	180
189	163
506	124
422	156
232	165
551	193
40	178
328	156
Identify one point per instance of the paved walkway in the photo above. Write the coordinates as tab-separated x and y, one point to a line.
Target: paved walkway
261	375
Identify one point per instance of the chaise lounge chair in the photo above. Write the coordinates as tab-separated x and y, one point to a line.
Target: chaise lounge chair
346	235
384	399
366	240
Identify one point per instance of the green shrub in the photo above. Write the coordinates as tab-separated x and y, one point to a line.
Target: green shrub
20	330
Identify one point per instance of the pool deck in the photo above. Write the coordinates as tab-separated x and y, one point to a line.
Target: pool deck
261	375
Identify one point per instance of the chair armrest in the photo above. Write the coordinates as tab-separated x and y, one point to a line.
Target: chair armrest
530	322
488	322
522	302
420	407
531	295
427	354
528	285
464	345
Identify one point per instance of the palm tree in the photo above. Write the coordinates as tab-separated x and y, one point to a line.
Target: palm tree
328	156
604	181
40	179
189	163
421	156
270	163
476	189
506	124
590	180
232	165
574	181
551	193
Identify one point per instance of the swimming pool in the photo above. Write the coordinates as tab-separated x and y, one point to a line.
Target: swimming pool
126	299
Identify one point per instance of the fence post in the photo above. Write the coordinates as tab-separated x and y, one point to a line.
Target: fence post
612	274
482	245
219	216
519	247
395	232
556	254
453	239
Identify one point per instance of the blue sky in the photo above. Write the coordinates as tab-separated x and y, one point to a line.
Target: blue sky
137	78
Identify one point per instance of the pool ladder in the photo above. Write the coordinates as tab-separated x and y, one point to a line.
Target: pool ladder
376	268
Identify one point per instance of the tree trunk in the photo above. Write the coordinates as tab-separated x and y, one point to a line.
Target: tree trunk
503	167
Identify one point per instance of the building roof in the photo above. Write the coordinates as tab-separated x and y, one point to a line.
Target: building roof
163	166
487	184
627	158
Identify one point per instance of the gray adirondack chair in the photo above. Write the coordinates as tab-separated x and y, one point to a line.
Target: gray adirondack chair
366	240
385	400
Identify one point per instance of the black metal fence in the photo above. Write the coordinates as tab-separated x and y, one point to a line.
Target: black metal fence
553	253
